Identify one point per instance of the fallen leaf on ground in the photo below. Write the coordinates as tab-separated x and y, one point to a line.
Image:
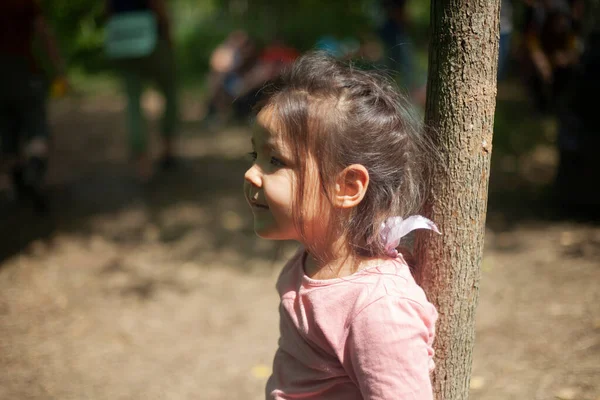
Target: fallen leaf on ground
566	394
477	382
261	371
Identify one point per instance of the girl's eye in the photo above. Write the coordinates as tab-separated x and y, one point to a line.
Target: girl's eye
253	156
277	162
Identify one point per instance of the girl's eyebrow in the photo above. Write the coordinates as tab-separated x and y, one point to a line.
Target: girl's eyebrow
268	144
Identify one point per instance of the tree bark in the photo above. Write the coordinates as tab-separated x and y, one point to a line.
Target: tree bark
461	99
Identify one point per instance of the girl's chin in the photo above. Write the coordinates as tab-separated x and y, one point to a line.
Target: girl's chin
271	234
271	231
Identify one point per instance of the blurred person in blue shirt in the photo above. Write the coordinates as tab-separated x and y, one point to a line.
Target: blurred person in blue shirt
140	44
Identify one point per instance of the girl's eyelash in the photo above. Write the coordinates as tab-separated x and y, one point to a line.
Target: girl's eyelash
277	162
274	160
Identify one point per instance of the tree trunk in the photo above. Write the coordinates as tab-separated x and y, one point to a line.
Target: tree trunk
461	99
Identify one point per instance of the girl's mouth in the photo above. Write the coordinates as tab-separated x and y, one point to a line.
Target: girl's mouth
259	206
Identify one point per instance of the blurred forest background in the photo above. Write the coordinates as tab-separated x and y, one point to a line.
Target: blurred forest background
199	26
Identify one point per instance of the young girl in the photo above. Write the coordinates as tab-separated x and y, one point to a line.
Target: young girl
339	166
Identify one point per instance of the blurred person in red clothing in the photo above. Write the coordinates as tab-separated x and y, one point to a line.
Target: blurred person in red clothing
239	69
272	61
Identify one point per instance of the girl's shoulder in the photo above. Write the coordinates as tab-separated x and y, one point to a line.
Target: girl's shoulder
392	279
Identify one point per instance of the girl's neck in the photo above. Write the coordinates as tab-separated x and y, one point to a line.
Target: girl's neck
338	266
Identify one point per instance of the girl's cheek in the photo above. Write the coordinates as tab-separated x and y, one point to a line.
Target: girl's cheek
280	188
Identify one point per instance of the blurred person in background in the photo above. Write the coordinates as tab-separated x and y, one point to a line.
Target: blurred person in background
139	42
579	136
24	131
370	49
240	67
344	49
506	29
273	59
228	62
399	47
330	45
552	49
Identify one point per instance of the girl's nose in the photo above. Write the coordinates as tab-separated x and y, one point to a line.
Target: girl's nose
254	176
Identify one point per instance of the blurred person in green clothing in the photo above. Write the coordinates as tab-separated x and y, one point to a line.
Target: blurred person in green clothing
139	42
24	131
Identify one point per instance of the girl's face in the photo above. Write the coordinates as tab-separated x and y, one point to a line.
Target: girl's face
269	183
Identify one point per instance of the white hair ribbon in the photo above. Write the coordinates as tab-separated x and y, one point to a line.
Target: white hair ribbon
395	228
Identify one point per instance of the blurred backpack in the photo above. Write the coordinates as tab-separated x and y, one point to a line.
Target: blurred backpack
132	29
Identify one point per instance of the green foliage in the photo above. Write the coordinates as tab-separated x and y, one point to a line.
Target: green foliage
78	26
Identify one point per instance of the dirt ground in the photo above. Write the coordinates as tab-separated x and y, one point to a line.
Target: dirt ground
162	291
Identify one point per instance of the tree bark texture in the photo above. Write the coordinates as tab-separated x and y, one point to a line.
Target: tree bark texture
461	99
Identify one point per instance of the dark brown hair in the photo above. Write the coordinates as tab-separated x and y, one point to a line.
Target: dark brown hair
340	115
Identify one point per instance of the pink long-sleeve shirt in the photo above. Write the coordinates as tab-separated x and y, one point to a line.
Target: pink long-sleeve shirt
365	336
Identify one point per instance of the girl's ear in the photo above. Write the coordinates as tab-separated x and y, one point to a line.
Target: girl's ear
351	186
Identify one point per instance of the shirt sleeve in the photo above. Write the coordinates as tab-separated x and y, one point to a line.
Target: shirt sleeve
389	349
